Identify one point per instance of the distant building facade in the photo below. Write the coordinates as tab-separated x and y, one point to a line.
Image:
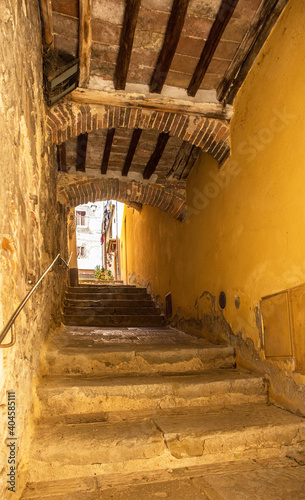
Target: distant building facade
98	229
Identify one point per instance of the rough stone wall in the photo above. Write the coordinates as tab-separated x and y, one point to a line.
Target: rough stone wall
32	224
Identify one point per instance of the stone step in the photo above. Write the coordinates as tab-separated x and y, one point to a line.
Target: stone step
116	360
109	303
108	320
105	289
108	296
109	311
74	395
164	439
271	478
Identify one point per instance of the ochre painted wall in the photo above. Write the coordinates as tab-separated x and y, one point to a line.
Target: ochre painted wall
245	231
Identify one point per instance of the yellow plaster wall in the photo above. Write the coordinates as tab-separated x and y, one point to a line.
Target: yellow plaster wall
245	232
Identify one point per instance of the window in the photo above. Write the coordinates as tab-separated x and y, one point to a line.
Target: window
80	218
80	252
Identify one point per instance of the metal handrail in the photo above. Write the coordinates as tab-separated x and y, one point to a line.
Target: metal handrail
11	322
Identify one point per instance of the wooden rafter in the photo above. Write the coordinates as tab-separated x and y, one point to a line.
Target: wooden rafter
195	152
180	160
126	42
131	150
184	161
82	141
266	18
47	22
107	150
62	157
224	15
85	41
171	39
156	155
157	103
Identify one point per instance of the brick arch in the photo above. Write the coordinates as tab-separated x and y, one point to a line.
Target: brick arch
68	119
81	190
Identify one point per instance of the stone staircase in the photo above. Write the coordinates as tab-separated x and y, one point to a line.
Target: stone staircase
119	406
110	305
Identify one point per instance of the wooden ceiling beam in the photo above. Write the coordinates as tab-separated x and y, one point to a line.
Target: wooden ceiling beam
195	152
171	40
131	151
184	161
156	155
157	103
224	15
81	152
180	160
47	22
85	41
62	157
250	47
107	150
126	42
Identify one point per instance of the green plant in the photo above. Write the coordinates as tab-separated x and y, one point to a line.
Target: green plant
99	272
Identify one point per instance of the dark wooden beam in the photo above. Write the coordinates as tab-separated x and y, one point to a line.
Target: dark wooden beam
270	20
180	160
156	155
131	151
62	157
224	15
107	150
85	41
171	39
126	42
195	152
258	23
184	161
82	141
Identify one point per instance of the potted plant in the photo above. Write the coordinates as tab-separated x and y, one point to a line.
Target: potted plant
109	275
99	272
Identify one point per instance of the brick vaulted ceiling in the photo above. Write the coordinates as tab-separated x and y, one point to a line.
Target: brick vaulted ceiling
155	85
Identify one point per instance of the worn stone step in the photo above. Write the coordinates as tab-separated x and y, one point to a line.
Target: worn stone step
74	395
116	320
166	439
108	296
109	311
105	289
271	478
91	359
109	303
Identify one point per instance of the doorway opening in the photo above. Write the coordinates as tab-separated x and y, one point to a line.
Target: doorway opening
98	234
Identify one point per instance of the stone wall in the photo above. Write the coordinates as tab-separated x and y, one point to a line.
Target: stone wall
32	224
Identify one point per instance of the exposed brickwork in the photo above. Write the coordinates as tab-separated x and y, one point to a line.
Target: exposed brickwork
74	191
68	119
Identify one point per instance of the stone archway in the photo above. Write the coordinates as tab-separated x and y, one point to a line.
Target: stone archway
74	190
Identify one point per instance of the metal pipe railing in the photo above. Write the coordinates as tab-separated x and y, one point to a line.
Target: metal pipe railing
11	322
